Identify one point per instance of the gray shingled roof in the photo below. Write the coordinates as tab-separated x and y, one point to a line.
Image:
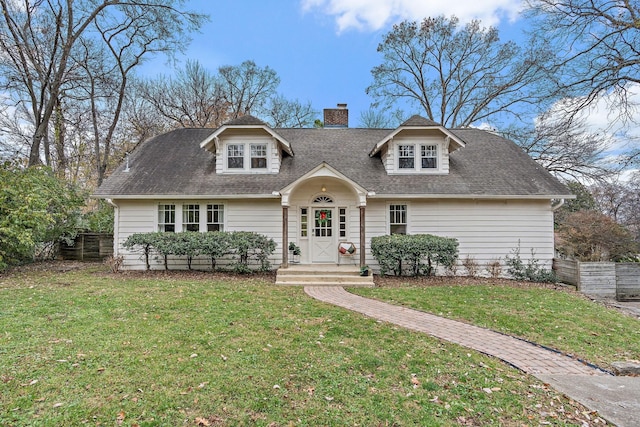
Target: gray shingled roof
417	120
173	164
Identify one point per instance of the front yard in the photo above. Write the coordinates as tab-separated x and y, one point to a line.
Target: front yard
86	347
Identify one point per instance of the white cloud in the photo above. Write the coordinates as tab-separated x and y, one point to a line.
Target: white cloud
606	118
373	15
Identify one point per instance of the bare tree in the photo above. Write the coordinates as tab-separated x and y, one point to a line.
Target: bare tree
193	98
247	87
282	112
38	38
380	119
620	200
198	98
563	146
458	75
597	43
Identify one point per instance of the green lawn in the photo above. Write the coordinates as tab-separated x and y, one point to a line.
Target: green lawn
85	347
560	319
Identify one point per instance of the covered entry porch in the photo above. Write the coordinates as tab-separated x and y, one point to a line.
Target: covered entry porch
323	219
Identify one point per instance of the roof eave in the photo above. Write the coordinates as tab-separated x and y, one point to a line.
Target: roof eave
210	140
389	137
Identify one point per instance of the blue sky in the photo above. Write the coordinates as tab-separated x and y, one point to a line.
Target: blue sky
322	50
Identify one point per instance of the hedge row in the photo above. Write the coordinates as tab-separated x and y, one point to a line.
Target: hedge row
420	254
240	246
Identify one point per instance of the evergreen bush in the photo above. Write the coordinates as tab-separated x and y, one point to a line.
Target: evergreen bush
419	253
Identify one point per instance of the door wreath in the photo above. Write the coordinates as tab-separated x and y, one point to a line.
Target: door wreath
322	216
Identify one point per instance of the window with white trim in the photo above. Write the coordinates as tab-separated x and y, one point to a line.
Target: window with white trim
406	157
235	156
215	217
429	156
190	217
398	219
247	156
167	218
258	156
418	156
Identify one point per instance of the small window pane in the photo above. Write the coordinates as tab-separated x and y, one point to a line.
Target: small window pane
167	218
215	217
258	156
429	156
398	219
406	157
304	222
235	156
190	217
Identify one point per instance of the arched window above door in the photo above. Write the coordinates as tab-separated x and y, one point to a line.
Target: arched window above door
323	199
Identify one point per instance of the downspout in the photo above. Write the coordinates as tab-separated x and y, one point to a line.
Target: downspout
116	223
557	205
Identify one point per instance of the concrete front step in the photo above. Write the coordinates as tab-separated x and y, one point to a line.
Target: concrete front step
322	275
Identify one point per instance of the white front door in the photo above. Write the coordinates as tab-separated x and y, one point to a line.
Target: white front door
323	236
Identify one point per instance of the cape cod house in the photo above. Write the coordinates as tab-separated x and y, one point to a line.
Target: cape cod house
336	186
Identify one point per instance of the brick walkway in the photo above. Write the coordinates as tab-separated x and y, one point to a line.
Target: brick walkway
528	357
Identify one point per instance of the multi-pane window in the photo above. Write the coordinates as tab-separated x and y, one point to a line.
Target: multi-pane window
304	222
190	217
235	156
258	156
215	217
342	222
398	219
167	218
406	156
429	156
323	223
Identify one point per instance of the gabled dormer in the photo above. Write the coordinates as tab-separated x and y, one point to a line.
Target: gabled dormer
417	146
247	145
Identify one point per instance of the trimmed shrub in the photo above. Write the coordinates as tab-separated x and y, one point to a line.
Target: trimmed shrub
243	247
418	254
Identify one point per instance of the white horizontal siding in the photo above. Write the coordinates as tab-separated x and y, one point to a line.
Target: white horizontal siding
264	217
485	230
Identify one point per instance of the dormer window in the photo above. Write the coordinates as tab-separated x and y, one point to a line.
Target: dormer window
258	156
406	157
429	156
246	157
416	157
235	156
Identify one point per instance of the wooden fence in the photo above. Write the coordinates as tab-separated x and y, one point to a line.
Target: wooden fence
88	247
601	279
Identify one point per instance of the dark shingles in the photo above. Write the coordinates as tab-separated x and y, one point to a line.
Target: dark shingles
419	121
174	164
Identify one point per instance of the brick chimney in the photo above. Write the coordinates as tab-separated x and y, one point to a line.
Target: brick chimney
336	117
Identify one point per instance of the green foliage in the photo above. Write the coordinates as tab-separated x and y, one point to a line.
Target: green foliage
393	251
99	220
143	240
249	245
35	208
216	244
295	248
584	201
242	246
531	271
